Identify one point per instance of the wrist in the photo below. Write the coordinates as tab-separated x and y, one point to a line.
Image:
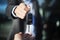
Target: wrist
13	11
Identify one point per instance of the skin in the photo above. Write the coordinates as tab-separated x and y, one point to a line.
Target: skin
21	10
20	36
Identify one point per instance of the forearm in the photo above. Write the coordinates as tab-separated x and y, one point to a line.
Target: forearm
9	11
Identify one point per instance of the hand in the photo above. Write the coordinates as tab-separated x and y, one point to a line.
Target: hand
21	10
18	36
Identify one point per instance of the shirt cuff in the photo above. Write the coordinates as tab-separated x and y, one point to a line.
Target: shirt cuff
13	11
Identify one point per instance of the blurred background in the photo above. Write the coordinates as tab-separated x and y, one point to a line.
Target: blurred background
4	21
50	14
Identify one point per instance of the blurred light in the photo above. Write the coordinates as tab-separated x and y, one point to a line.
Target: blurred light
41	12
3	5
47	14
3	8
43	35
57	23
41	2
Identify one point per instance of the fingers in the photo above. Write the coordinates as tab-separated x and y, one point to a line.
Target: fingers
21	13
22	5
26	36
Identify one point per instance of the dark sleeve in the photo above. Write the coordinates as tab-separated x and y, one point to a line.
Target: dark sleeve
14	29
11	4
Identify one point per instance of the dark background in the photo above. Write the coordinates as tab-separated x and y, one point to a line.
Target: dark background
49	10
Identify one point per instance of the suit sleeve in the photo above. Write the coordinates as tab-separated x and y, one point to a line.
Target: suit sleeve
11	4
